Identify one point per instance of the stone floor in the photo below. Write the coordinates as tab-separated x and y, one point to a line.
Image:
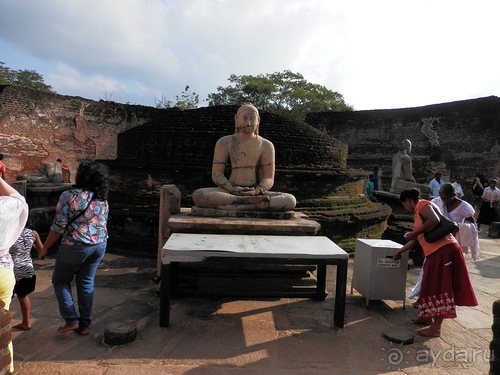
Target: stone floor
260	336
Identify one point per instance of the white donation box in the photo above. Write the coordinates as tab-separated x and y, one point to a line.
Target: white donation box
376	275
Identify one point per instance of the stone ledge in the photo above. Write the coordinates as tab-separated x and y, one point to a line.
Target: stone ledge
258	214
299	225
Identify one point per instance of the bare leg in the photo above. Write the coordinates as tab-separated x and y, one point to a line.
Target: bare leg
434	330
25	304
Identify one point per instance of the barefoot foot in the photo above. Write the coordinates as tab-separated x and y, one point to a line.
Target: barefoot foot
83	331
423	321
22	327
67	328
428	332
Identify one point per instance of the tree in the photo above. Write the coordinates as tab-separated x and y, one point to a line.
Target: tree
109	96
187	100
24	78
285	93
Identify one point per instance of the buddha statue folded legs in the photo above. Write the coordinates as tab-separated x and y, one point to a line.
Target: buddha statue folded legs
220	198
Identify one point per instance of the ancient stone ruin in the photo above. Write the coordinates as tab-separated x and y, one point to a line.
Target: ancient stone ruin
323	165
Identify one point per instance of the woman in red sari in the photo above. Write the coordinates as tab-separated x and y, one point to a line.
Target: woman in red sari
445	282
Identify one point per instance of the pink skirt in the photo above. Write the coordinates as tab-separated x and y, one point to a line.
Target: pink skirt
445	284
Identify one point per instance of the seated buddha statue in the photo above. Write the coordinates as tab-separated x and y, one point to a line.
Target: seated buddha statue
251	157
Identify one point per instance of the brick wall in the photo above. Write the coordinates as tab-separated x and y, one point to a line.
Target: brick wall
38	127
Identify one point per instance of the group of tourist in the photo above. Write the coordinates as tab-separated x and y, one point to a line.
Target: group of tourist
80	224
80	227
444	281
80	230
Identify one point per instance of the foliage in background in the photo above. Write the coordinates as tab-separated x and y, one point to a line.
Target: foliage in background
187	100
23	78
285	93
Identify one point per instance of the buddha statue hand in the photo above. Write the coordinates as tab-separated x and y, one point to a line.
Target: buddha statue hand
247	191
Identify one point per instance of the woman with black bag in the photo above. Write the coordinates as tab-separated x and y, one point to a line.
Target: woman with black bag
445	281
81	221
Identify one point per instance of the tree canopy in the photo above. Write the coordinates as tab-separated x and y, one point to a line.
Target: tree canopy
24	78
285	93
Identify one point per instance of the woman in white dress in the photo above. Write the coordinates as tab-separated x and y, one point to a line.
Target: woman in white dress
462	213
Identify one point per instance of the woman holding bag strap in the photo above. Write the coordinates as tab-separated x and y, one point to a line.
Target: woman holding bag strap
445	281
81	220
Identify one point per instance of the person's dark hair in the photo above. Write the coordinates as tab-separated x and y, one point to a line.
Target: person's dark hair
411	194
1	156
448	190
92	175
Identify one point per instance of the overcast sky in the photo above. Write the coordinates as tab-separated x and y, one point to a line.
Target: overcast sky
378	54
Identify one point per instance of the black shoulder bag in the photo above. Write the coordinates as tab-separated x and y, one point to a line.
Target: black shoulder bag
445	227
80	213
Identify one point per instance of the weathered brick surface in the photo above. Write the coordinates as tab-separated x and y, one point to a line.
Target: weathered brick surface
4	362
37	127
187	138
5	338
5	318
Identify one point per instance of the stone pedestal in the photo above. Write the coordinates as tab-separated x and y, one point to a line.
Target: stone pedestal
216	212
174	219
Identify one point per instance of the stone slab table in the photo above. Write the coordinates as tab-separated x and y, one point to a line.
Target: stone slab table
196	247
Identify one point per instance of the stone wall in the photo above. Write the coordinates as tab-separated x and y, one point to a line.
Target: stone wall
38	127
461	138
187	138
147	147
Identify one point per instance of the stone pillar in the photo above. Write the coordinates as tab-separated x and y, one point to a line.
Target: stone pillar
170	204
5	339
495	343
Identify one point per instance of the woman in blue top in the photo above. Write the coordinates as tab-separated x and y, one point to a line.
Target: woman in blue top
81	220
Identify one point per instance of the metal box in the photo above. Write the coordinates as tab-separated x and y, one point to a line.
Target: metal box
376	275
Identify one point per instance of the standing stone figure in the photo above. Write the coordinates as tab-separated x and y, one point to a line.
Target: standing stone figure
401	165
252	170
